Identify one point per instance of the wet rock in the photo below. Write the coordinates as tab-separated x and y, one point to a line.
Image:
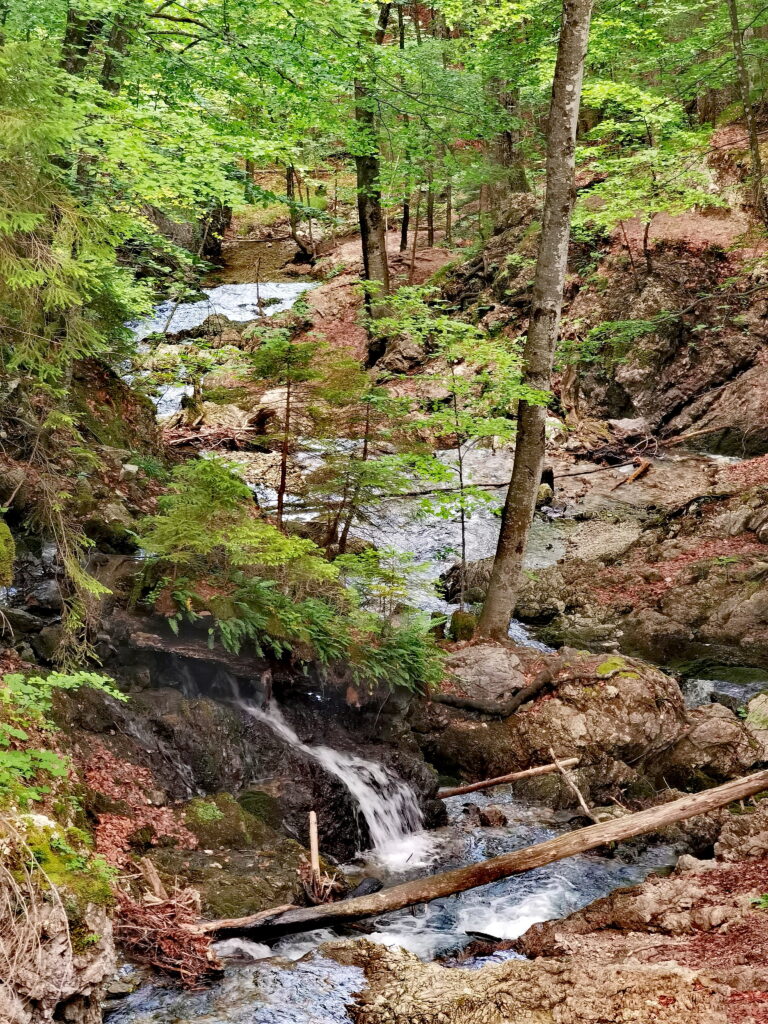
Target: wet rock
492	817
367	887
584	990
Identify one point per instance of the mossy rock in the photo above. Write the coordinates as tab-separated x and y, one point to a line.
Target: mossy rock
236	883
220	822
7	554
263	806
463	626
64	854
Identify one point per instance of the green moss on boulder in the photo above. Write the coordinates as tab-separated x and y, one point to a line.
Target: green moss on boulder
7	554
220	822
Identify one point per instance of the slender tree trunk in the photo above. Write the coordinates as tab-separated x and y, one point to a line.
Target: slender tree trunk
744	93
545	318
416	23
344	536
284	455
404	224
367	164
462	510
117	43
505	149
412	269
293	216
79	34
430	210
448	213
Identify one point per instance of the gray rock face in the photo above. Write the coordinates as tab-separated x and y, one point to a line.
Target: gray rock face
486	672
402	354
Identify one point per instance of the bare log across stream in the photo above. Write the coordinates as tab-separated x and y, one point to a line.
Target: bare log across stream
433	887
501	780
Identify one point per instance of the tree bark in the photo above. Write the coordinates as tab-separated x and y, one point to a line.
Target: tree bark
284	449
744	93
79	34
117	43
430	210
404	224
424	890
293	217
545	317
505	149
368	169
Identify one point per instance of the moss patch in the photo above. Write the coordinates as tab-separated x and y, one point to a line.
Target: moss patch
220	822
7	555
81	878
612	664
263	806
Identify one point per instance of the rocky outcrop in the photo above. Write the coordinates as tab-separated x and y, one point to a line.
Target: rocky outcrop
623	719
43	977
584	990
691	586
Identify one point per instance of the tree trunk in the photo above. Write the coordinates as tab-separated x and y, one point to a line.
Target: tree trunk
404	225
290	191
505	149
416	23
430	210
545	318
434	887
367	165
744	93
79	34
448	213
117	43
284	455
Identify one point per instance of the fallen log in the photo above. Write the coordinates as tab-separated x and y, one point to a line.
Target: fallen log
502	780
433	887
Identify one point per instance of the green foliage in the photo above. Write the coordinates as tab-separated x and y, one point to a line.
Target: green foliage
81	877
26	770
611	341
216	557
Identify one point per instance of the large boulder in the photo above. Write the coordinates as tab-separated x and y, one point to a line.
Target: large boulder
716	744
483	676
623	719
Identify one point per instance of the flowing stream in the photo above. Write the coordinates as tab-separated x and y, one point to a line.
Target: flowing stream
292	982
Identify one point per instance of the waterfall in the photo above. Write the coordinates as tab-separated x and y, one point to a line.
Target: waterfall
387	803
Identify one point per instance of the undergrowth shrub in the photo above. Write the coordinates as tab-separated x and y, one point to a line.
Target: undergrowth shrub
219	565
29	762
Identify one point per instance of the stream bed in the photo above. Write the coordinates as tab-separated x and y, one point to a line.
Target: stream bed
293	982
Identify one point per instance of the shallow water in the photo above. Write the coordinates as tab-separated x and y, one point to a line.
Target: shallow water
301	986
239	302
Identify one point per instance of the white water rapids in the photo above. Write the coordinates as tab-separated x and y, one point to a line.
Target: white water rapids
386	802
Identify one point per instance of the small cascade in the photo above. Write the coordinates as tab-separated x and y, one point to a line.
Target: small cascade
386	802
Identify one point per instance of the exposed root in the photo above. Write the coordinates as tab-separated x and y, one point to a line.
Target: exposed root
162	934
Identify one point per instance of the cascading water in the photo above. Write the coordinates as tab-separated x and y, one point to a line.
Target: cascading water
387	803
